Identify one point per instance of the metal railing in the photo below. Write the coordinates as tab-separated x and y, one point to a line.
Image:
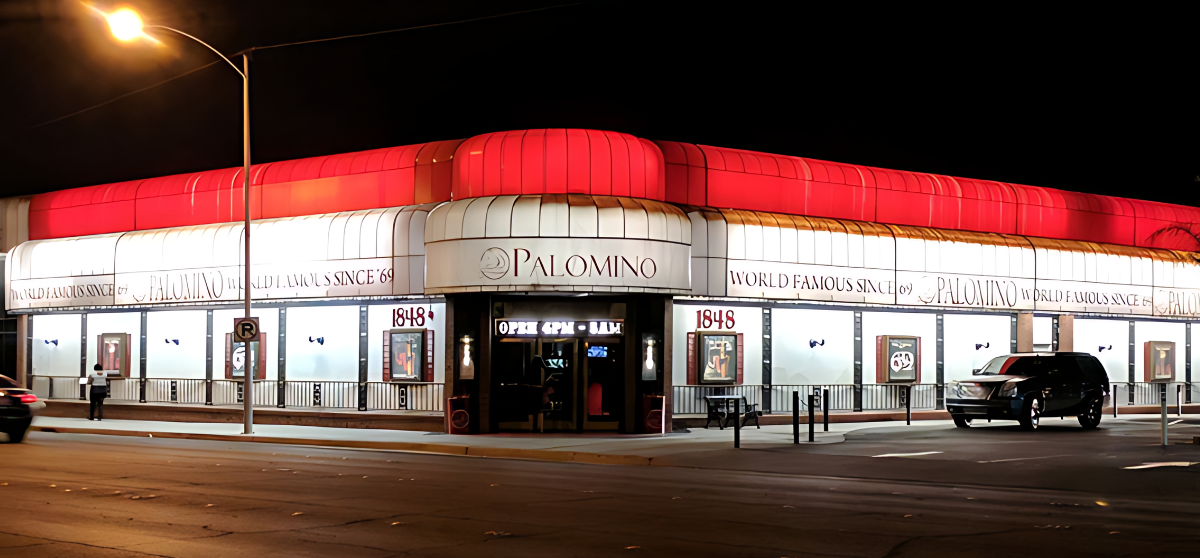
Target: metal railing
875	397
689	400
411	397
307	393
1143	393
303	393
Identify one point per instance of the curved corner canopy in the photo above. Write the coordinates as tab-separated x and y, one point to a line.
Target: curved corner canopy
359	253
558	242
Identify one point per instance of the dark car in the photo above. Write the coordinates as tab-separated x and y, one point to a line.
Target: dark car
1027	387
17	407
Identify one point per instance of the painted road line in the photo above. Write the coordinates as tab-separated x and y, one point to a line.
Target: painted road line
1022	459
907	454
1162	464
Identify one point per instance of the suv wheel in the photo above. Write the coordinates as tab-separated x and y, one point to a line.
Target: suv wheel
1032	414
961	422
1090	417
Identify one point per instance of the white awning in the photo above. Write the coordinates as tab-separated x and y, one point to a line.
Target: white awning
358	253
557	242
764	255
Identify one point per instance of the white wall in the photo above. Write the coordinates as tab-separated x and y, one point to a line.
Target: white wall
900	323
1043	331
337	359
1159	331
748	321
268	323
116	322
166	359
962	332
795	362
61	359
1090	335
379	320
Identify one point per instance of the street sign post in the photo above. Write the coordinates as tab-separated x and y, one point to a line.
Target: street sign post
245	330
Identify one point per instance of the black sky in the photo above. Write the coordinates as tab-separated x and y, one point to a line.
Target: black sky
1092	101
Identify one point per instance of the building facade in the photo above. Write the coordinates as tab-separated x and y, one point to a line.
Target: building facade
578	280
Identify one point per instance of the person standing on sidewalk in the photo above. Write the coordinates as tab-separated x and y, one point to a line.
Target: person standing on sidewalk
98	381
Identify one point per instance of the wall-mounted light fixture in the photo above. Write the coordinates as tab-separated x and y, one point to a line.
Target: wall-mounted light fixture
169	341
466	369
49	341
318	340
1103	348
983	345
812	343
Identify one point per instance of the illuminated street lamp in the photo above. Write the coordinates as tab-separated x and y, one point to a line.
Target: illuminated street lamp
126	25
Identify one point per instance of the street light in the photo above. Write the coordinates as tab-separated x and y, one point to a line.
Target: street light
126	25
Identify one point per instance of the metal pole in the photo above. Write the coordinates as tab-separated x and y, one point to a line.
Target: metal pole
812	423
248	377
1116	388
795	417
1162	398
1179	400
737	423
825	409
908	405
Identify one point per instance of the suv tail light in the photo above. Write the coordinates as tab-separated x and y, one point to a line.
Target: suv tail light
28	398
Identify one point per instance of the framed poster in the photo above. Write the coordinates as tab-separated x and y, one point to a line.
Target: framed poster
236	358
1159	363
113	353
718	358
408	355
898	359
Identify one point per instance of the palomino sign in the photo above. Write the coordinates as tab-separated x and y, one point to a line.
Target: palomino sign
759	279
557	263
315	279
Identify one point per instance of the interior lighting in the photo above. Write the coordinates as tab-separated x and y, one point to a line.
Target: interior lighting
125	24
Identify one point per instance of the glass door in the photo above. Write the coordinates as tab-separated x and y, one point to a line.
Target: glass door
560	384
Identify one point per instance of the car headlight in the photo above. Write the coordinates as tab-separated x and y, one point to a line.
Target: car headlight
1009	389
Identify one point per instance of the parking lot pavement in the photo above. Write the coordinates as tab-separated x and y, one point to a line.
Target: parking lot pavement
940	491
1122	457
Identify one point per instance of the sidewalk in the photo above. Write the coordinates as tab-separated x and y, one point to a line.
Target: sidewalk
581	448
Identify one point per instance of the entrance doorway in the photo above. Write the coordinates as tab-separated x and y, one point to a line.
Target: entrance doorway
559	384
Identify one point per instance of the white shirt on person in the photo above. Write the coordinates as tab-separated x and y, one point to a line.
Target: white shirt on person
98	378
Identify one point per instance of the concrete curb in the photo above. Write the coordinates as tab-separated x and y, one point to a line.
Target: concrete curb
439	449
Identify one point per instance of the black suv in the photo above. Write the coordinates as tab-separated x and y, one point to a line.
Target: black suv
17	407
1026	387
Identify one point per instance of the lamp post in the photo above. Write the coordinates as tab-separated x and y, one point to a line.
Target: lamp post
126	25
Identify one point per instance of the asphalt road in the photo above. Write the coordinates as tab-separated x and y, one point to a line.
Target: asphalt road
991	491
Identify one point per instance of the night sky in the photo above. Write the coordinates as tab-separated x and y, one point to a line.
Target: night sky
1101	102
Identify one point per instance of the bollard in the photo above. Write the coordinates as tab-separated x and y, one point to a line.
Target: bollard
1115	388
908	405
795	417
812	423
737	423
1162	398
825	410
1179	400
